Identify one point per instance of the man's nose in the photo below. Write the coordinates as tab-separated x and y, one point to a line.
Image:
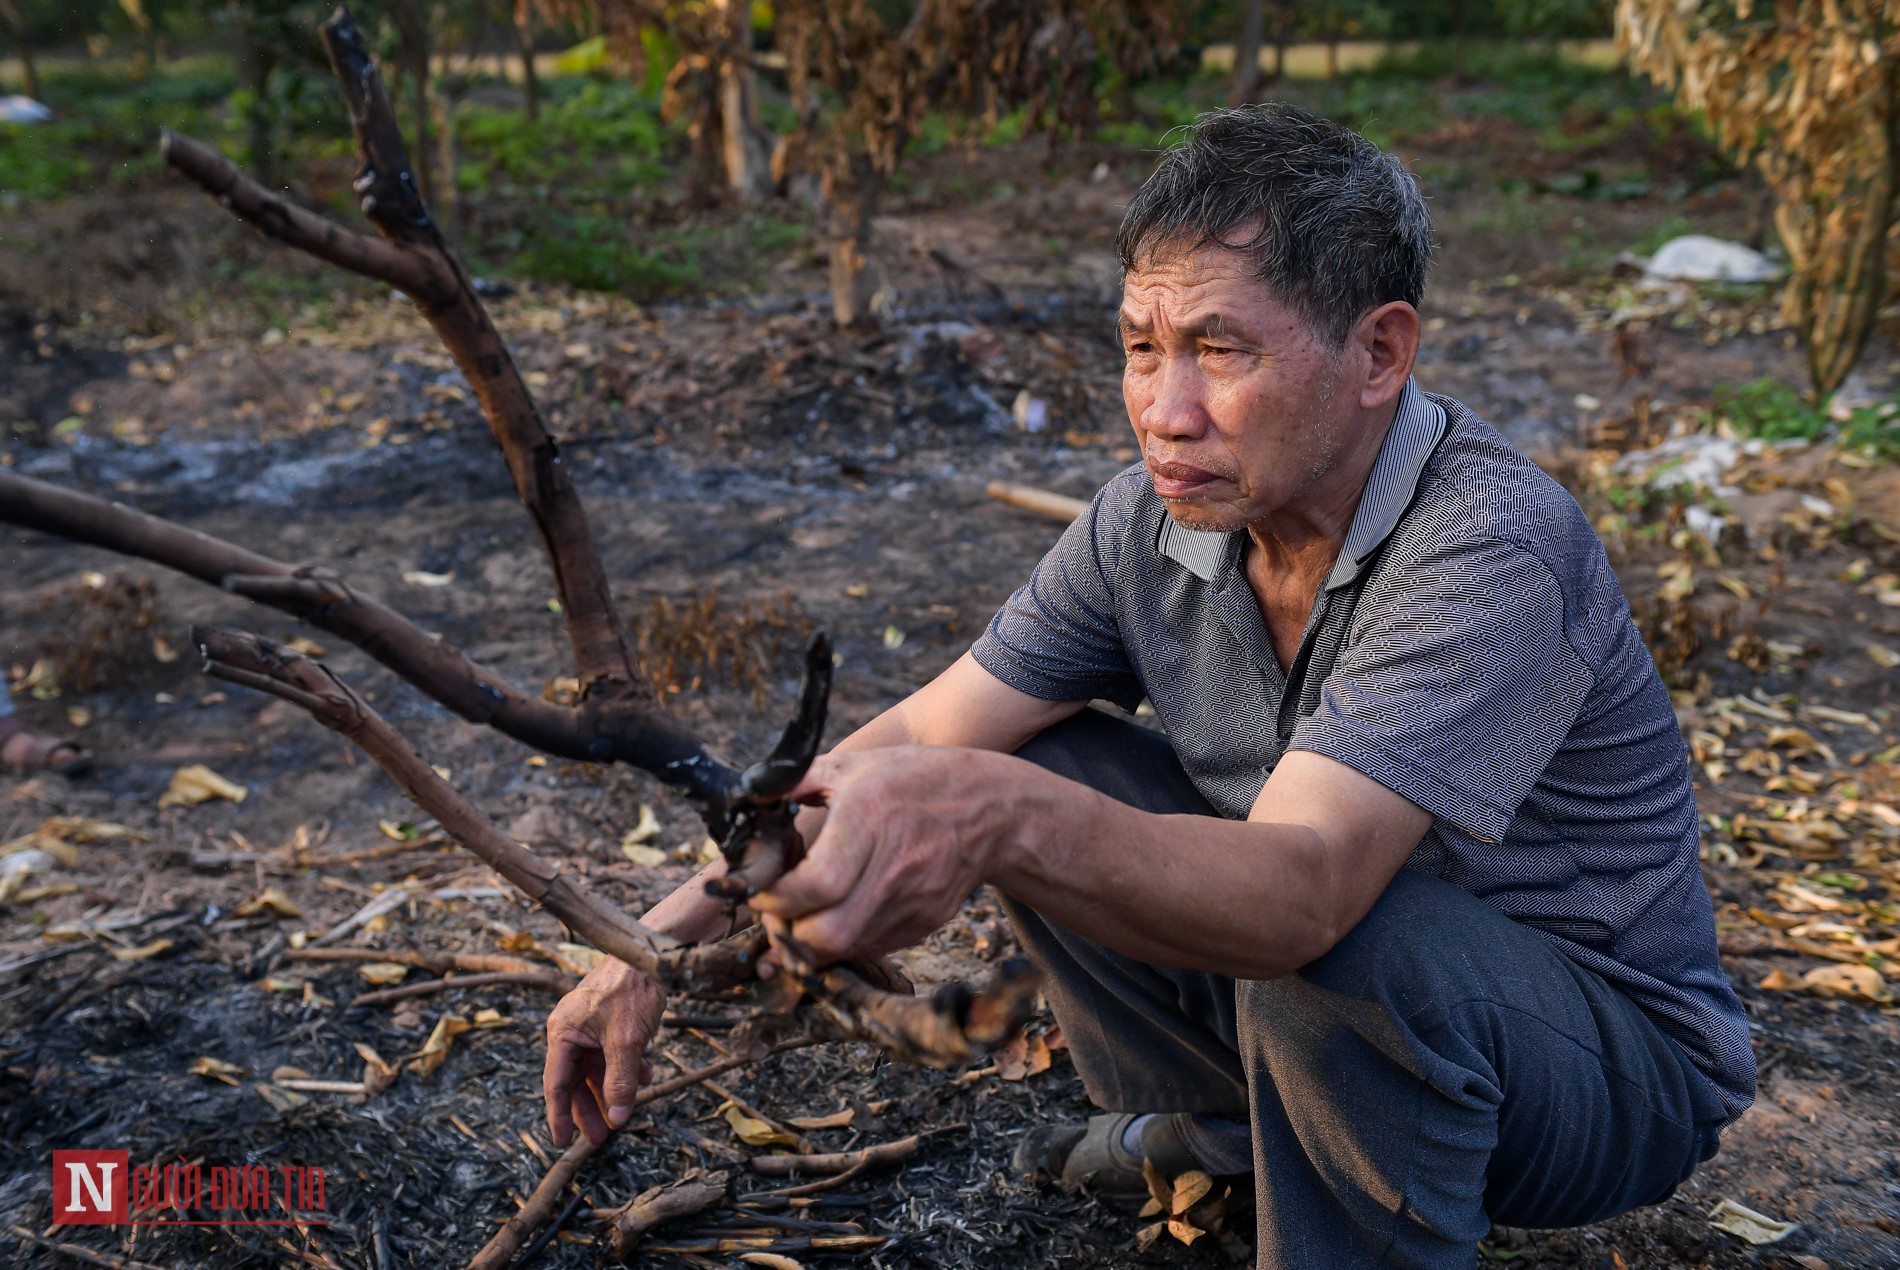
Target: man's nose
1179	406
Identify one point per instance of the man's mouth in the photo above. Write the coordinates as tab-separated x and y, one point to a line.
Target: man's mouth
1179	480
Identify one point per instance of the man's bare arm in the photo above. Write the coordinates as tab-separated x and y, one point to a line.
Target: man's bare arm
912	832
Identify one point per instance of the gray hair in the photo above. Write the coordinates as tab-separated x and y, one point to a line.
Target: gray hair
1335	225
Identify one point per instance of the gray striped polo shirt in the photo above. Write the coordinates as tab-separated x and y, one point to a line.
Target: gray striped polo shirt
1489	671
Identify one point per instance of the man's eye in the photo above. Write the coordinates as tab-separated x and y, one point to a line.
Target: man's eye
1219	352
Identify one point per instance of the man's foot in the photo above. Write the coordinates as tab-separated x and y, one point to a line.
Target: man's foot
24	750
1106	1153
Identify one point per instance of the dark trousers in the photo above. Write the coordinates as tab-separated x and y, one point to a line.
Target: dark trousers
1442	1068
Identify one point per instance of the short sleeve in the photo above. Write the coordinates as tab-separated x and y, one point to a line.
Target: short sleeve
1460	688
1057	638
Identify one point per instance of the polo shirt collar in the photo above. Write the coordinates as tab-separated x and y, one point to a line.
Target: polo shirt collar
1417	427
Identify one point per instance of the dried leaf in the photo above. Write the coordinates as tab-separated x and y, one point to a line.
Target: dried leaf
771	1260
1146	1237
1190	1188
1183	1231
1023	1057
754	1132
398	830
270	898
435	1050
216	1069
383	973
1160	1190
646	830
1850	983
378	1073
578	958
1780	981
198	784
143	952
1748	1225
308	647
1882	656
490	1017
836	1120
644	856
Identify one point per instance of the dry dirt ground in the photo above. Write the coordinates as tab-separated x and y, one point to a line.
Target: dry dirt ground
751	473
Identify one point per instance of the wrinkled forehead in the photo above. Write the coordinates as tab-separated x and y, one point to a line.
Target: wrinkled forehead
1207	286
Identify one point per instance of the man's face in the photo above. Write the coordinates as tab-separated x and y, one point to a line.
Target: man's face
1239	408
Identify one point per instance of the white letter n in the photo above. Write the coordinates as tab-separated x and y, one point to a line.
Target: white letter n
82	1176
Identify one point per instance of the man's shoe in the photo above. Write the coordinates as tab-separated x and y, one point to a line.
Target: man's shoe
1097	1155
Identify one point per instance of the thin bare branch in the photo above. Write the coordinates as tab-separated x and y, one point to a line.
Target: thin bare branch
387	188
291	225
500	1250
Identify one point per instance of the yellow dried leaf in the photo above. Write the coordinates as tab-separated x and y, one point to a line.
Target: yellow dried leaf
142	952
216	1069
1780	981
490	1017
378	1073
755	1132
198	784
1882	656
578	958
308	647
383	973
1678	581
1190	1188
270	898
1748	1225
644	856
436	1049
1023	1057
646	830
1150	1209
771	1261
1850	983
1146	1237
283	985
518	941
1186	1232
417	577
836	1120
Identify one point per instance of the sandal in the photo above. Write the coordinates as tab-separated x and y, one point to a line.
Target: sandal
24	750
1097	1155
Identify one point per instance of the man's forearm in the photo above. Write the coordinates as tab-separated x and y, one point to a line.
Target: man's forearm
1248	899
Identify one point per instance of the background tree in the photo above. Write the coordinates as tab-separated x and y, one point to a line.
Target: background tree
1806	90
864	74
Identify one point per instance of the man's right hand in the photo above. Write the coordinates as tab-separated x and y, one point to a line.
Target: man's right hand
597	1039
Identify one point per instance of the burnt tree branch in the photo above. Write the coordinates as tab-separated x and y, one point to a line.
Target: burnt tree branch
596	731
944	1031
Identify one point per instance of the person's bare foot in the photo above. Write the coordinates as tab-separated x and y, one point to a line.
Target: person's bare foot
24	750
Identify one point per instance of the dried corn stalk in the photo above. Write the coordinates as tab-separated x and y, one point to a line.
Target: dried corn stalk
1809	92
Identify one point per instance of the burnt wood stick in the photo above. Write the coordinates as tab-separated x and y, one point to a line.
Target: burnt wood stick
616	730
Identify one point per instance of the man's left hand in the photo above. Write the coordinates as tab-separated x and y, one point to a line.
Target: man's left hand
909	832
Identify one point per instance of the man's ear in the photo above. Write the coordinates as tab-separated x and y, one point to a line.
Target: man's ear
1389	336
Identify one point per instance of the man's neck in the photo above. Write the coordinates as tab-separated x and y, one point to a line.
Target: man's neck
1302	539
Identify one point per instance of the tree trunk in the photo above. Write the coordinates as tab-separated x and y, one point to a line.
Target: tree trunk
1838	286
1246	83
255	65
745	150
852	184
523	27
23	46
412	28
449	212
